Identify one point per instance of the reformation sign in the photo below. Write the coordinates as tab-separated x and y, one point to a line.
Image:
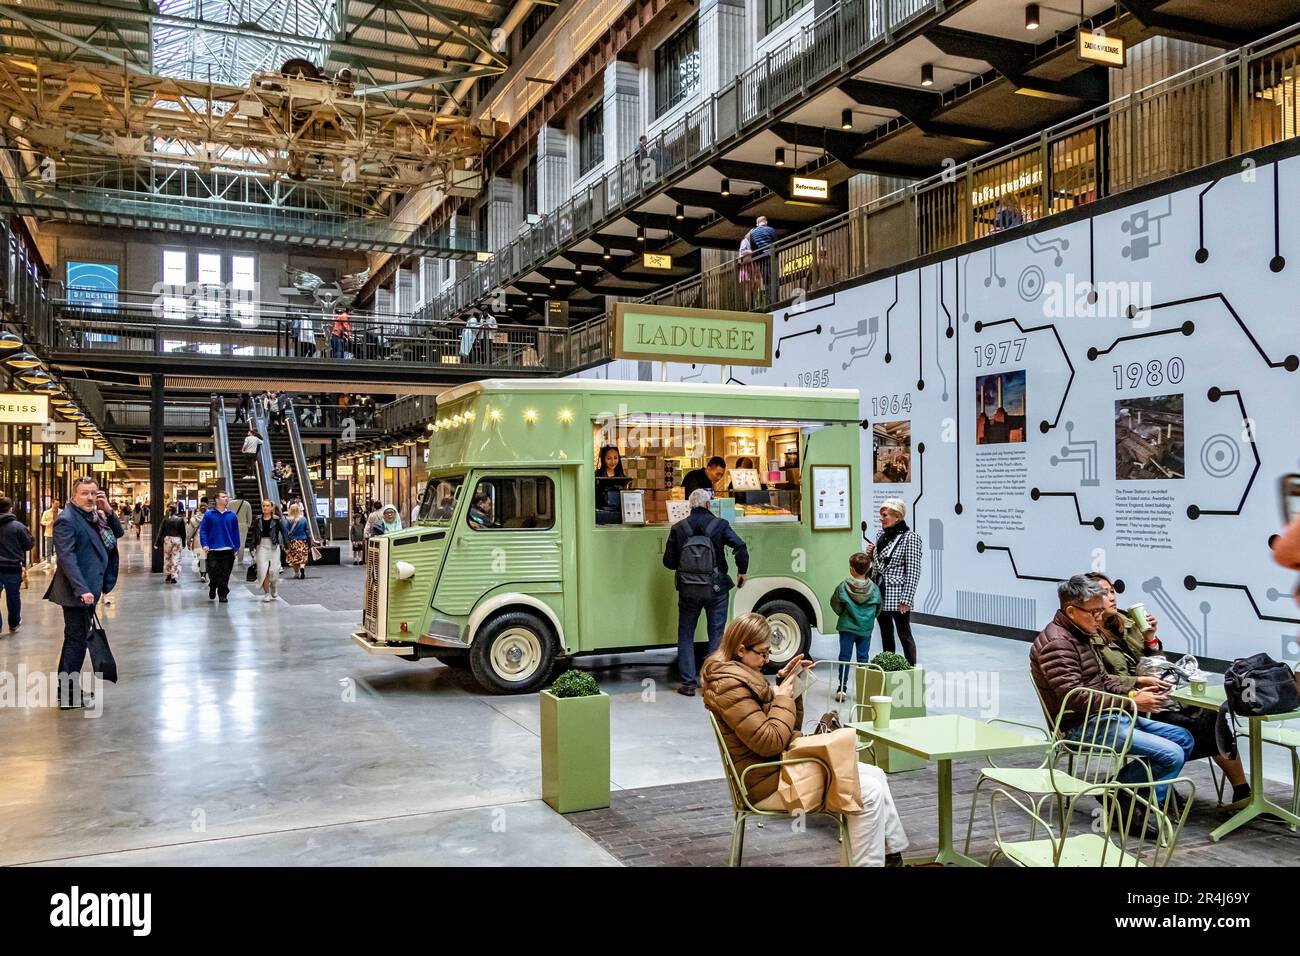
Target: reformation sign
704	336
24	408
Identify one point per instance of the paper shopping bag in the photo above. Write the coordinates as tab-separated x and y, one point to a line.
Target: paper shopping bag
801	785
838	750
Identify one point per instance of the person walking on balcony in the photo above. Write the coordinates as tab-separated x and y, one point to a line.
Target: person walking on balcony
219	536
304	330
171	538
469	336
341	335
252	445
762	239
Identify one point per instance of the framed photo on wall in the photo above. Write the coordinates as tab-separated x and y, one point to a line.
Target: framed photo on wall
832	497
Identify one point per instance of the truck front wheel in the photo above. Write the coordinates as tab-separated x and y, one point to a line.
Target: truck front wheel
513	653
791	631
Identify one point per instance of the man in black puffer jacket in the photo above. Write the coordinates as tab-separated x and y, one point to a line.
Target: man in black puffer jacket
15	542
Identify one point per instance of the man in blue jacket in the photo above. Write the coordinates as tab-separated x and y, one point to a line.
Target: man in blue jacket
85	540
219	536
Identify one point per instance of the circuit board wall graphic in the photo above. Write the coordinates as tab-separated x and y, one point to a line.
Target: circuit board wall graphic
1118	393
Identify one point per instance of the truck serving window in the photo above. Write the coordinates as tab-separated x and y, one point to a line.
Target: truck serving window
759	479
439	501
505	503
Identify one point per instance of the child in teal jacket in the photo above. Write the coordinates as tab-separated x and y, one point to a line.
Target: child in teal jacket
856	600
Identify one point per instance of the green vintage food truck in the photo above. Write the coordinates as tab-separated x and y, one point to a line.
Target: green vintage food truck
522	556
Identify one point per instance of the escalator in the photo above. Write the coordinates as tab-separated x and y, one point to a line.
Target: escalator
283	445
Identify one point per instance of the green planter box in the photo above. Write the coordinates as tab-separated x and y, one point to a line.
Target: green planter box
908	690
575	752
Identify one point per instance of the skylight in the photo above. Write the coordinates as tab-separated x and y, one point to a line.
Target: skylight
216	53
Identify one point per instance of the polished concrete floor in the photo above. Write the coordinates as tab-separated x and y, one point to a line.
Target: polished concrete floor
258	734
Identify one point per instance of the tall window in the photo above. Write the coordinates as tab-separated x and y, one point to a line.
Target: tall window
677	67
243	289
778	11
591	139
175	274
529	184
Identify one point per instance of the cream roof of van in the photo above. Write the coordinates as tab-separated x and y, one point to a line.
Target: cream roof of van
621	385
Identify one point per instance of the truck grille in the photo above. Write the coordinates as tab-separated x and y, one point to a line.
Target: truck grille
370	609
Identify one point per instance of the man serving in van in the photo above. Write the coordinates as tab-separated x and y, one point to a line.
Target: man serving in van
696	552
704	477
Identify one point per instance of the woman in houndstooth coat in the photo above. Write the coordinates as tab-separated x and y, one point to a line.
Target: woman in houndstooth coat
896	568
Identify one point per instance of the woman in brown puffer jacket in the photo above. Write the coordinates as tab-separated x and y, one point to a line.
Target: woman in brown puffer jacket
759	721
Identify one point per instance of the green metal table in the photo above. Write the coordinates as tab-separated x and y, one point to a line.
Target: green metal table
945	738
1213	699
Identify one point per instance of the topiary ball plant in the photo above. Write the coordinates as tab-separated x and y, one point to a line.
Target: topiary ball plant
575	683
889	661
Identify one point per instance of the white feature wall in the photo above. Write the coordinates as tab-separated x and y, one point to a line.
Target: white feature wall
1151	445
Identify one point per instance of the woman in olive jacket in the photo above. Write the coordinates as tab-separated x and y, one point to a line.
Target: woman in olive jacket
759	721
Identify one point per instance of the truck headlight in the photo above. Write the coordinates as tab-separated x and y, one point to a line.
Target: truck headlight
405	570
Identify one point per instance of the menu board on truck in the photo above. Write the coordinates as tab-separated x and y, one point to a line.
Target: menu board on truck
832	497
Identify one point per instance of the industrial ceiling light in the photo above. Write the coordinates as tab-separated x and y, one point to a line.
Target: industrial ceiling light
640	233
846	119
606	255
927	74
22	360
10	341
780	155
1031	17
726	187
34	377
681	212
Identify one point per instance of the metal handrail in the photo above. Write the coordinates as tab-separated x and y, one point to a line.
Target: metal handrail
846	30
941	210
221	448
304	474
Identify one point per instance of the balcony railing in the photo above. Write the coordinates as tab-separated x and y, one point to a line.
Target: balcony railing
781	78
1228	106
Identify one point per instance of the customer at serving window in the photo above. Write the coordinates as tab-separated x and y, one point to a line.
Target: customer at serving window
1064	657
696	551
1122	643
896	567
758	723
705	477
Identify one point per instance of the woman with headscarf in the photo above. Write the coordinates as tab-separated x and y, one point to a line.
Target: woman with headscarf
298	534
896	569
387	522
266	536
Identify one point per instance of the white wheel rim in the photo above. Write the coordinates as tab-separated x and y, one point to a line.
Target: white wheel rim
516	654
786	637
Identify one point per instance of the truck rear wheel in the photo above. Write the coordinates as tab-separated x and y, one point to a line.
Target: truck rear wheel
791	631
513	653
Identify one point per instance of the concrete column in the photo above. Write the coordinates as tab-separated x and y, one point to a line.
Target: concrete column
553	180
623	121
501	214
157	506
724	51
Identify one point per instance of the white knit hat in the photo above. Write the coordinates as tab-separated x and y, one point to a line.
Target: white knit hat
896	505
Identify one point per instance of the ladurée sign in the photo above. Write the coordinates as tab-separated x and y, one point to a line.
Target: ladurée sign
703	336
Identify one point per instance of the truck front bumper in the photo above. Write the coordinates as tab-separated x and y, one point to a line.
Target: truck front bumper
364	641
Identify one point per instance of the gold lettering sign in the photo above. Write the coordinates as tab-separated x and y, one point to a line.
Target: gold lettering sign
83	448
104	467
24	408
656	260
704	336
1102	49
806	187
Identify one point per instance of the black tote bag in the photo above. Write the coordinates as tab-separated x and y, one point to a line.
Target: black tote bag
101	655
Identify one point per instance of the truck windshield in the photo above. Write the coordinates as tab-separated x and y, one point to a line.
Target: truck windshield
439	501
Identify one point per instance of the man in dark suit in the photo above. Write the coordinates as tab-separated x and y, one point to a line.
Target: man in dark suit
85	539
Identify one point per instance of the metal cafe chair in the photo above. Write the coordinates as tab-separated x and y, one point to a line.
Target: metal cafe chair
1133	827
1091	759
743	808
